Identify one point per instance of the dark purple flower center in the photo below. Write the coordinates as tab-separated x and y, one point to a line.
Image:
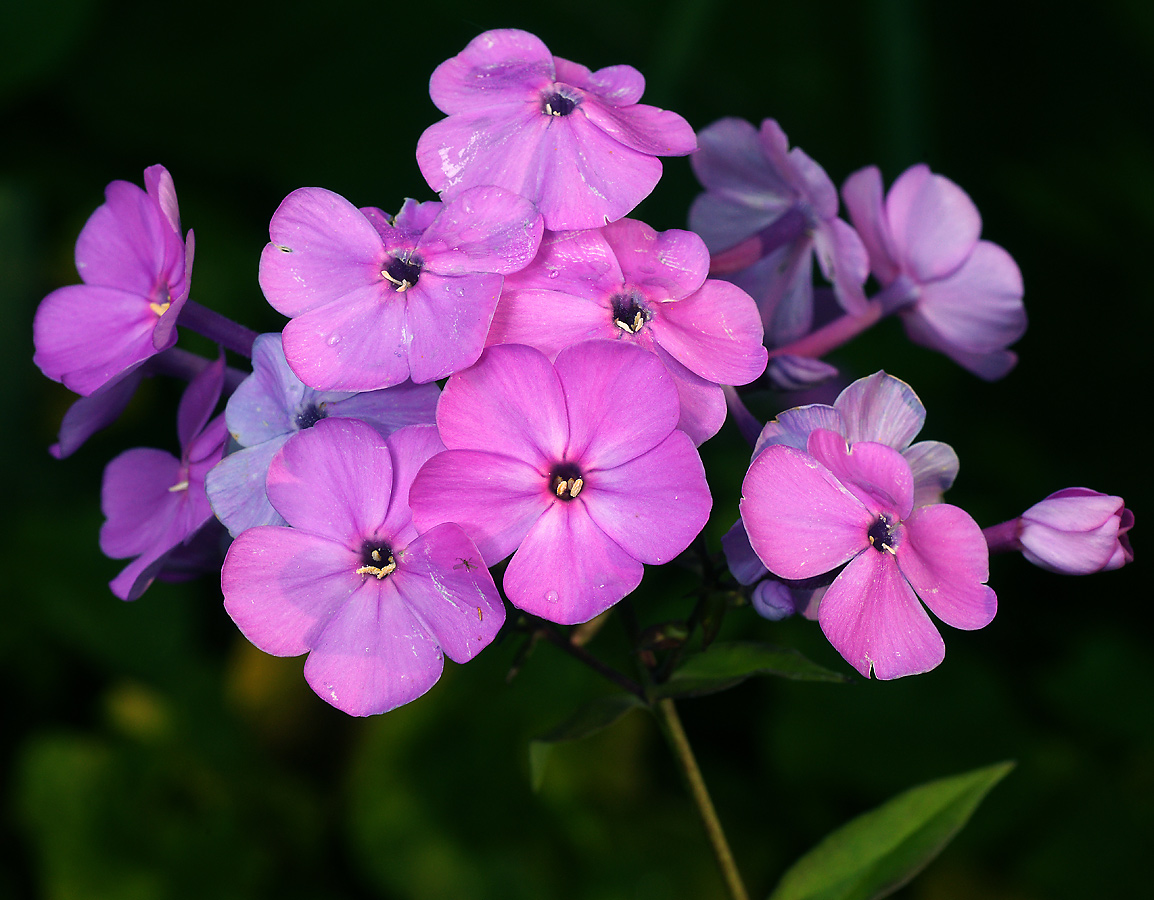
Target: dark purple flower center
403	271
377	559
881	535
566	481
629	312
557	104
308	416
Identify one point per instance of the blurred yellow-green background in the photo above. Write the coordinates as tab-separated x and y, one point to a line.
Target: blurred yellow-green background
148	752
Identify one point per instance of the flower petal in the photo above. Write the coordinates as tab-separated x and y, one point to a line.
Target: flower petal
236	487
933	221
794	426
500	66
483	229
873	619
947	562
881	408
864	200
875	473
934	466
447	321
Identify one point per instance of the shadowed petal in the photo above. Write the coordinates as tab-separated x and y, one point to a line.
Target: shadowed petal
794	426
876	474
873	619
236	487
934	466
881	408
139	508
702	402
864	200
933	221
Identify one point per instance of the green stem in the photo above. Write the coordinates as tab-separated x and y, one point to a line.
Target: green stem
683	753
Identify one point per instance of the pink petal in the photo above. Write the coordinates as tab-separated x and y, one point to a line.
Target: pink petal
333	480
990	365
125	243
666	265
702	402
794	426
715	332
947	562
322	249
934	466
160	188
876	474
616	85
549	320
448	320
567	570
441	578
499	66
934	223
487	407
410	448
484	229
374	654
873	619
621	402
140	510
645	129
800	519
282	585
881	408
494	498
652	506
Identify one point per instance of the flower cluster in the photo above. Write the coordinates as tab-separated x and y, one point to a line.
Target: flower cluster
585	357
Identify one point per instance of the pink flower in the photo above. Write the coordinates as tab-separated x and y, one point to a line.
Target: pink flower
955	294
136	272
577	143
575	465
809	512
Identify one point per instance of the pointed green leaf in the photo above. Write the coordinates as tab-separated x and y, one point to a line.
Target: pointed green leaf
588	720
879	851
729	663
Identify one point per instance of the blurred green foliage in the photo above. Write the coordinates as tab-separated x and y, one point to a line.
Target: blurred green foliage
148	752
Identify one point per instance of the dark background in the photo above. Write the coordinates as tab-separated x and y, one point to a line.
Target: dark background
149	752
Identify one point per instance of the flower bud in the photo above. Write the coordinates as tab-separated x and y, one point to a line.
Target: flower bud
1077	531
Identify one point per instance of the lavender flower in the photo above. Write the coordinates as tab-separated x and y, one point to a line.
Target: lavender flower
585	477
1074	531
136	273
577	143
766	211
375	605
155	504
955	293
270	406
627	282
375	301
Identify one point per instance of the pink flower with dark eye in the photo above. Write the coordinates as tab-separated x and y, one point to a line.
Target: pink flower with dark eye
575	142
576	467
810	512
136	272
955	293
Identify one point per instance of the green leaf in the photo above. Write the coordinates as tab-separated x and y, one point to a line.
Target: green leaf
729	663
878	852
588	720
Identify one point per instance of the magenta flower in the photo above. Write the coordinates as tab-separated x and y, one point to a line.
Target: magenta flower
627	282
955	293
271	405
577	143
878	408
376	301
136	272
766	212
1074	531
375	605
155	504
585	476
809	512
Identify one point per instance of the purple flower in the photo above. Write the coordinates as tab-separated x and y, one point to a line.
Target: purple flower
1074	531
271	405
577	143
154	504
627	282
955	294
766	211
878	408
585	476
136	272
809	512
351	583
375	301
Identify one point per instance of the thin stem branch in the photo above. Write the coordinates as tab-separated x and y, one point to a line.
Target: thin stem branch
683	753
554	636
216	327
818	343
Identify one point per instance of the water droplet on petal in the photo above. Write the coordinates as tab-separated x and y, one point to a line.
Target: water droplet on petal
334	339
551	597
553	273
